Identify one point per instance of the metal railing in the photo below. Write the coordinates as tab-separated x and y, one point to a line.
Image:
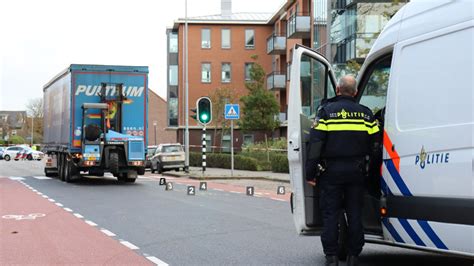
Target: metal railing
299	26
276	44
276	80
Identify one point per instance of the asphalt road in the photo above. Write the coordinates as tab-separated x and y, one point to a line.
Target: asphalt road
211	228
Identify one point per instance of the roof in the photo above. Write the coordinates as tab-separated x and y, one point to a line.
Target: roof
234	18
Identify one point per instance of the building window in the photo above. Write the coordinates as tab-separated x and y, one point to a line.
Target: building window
248	66
225	37
206	72
173	39
206	38
173	72
173	112
226	72
248	140
249	39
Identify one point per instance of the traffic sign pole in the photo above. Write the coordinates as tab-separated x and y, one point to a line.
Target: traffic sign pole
232	147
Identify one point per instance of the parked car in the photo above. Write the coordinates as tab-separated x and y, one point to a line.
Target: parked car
150	152
21	152
167	157
2	149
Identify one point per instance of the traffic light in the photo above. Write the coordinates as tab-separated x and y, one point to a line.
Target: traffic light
204	110
194	116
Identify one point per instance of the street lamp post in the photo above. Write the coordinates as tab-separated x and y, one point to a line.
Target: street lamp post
32	127
154	125
186	108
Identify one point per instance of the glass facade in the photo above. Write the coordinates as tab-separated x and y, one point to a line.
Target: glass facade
173	74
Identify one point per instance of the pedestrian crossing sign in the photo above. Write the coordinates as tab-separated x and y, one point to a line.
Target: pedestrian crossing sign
232	111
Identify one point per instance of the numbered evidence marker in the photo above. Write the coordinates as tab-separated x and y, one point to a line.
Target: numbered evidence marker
191	190
203	186
250	191
281	190
162	181
169	186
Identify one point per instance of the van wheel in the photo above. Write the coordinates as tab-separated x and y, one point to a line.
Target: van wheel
6	157
342	241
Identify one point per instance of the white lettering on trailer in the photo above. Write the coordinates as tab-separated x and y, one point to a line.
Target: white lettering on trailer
89	90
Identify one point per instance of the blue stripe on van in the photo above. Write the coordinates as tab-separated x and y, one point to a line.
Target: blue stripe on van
397	178
392	230
432	235
411	232
384	187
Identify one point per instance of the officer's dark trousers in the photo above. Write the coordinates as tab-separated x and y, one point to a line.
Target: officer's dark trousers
334	198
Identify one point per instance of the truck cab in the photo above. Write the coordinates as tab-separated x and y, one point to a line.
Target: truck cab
417	80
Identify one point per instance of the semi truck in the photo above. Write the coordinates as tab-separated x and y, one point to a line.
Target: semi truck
95	121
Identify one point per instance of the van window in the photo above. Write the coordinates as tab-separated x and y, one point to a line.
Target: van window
314	84
374	85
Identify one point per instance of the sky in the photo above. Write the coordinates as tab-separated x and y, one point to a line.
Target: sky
40	38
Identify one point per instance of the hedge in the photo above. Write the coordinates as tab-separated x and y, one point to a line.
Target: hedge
279	163
223	160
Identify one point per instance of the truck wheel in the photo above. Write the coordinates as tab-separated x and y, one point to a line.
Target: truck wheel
141	170
49	174
342	241
71	172
61	166
131	176
6	157
114	162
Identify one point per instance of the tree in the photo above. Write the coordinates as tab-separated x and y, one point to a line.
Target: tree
16	140
259	105
34	108
220	97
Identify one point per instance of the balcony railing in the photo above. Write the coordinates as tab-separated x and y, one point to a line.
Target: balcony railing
276	44
276	81
299	26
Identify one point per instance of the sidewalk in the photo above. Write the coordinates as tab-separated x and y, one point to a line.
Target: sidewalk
219	173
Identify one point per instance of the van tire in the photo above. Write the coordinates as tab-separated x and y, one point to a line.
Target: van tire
342	241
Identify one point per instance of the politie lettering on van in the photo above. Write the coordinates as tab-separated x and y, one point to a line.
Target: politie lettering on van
95	120
423	196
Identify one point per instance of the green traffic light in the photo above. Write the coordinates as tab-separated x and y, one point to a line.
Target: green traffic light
204	117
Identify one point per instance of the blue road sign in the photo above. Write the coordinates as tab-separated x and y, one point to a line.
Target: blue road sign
232	111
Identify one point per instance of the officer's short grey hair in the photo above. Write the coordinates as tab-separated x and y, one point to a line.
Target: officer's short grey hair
347	85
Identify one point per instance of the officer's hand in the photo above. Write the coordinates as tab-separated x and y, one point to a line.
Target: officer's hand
312	182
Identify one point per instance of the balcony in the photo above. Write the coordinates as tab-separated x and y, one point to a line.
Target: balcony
276	44
299	26
276	81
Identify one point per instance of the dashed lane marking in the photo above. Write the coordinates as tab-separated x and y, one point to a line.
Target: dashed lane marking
41	177
107	232
278	199
78	215
44	196
91	223
156	261
51	200
218	189
59	204
236	192
16	178
67	209
129	245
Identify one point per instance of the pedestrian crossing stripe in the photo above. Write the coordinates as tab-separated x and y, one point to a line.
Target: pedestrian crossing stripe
16	178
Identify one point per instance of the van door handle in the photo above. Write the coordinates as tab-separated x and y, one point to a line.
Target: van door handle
297	149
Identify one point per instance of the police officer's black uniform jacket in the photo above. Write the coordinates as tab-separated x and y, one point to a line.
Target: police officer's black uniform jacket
340	140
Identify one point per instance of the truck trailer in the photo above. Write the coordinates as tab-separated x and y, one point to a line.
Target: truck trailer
95	121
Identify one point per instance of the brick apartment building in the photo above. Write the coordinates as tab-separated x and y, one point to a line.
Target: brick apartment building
158	130
220	47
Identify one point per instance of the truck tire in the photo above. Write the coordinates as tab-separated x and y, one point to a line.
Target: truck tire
131	176
6	157
141	170
49	174
114	163
71	172
61	167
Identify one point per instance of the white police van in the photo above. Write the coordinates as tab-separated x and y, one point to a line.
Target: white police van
419	80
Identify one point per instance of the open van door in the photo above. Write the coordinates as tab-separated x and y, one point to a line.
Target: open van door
311	82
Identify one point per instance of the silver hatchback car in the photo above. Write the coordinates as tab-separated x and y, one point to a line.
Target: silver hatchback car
167	157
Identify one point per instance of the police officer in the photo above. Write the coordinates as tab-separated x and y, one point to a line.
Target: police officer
339	146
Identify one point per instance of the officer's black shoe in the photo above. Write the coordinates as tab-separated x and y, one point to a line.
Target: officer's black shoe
332	261
352	261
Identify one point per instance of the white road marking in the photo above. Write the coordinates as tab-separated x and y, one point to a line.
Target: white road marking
44	196
16	178
91	223
34	190
78	215
107	232
258	196
218	189
59	204
51	200
41	177
67	209
278	199
39	193
157	261
237	192
128	245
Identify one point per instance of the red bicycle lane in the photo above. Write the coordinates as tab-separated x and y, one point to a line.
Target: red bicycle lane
34	230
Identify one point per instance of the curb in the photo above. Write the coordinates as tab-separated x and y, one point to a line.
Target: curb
227	177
